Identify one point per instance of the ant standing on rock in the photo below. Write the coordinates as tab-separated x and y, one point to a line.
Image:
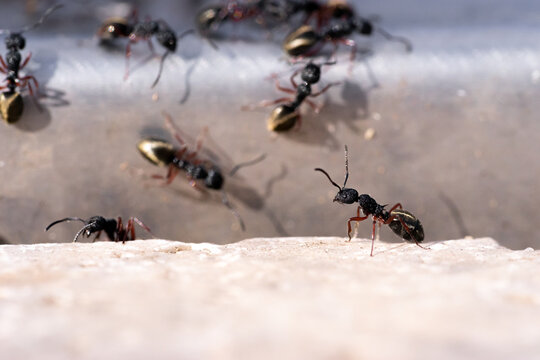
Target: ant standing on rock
285	116
114	229
136	31
403	223
11	103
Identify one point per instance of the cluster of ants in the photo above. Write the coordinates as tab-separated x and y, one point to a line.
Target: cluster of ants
332	22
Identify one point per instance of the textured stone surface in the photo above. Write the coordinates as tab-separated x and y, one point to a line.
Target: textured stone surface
287	298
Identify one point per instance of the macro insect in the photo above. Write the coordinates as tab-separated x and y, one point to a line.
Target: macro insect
11	102
114	228
198	171
135	31
286	116
308	41
403	223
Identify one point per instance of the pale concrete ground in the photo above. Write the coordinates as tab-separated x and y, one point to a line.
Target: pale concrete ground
286	298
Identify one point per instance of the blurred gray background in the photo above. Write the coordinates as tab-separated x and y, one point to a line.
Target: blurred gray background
455	126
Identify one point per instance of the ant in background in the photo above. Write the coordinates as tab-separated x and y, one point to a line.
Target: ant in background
307	41
11	103
403	223
162	153
114	28
285	116
114	229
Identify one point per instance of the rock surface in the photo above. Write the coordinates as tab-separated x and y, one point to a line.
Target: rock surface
286	298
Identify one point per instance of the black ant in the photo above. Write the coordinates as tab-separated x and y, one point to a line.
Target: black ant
403	223
285	116
114	229
162	153
11	103
136	31
308	41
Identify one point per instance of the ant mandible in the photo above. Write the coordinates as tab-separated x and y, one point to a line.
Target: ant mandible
285	116
136	31
162	153
307	41
11	103
403	223
114	229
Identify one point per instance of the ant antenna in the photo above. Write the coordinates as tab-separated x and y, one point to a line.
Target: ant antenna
388	36
247	163
62	220
346	165
82	230
187	32
46	14
329	178
225	201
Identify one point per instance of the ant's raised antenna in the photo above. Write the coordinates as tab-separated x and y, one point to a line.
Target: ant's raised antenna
63	220
82	230
187	32
401	39
329	178
46	14
346	165
247	163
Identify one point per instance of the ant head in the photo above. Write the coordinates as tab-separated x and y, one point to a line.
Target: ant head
344	195
311	73
365	27
214	180
15	41
167	38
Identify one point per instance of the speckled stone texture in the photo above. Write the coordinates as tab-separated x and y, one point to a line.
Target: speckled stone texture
280	298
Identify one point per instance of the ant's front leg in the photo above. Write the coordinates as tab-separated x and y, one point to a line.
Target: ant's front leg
324	89
25	62
357	218
3	66
352	45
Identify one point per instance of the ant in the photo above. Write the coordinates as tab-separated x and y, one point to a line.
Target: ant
114	28
11	103
403	223
114	229
285	116
162	153
307	41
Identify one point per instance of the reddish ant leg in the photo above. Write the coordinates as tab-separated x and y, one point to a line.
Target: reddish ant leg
266	103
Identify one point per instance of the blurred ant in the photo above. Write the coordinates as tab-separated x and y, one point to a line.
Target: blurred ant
114	229
403	223
307	41
285	116
114	28
11	103
162	153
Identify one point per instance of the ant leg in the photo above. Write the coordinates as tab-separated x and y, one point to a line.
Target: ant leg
130	229
293	82
373	237
120	231
128	55
141	224
199	141
3	67
314	106
324	89
357	218
175	131
266	103
284	89
25	61
151	46
97	236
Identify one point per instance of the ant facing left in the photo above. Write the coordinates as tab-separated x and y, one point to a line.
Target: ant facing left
114	228
135	31
403	223
11	103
